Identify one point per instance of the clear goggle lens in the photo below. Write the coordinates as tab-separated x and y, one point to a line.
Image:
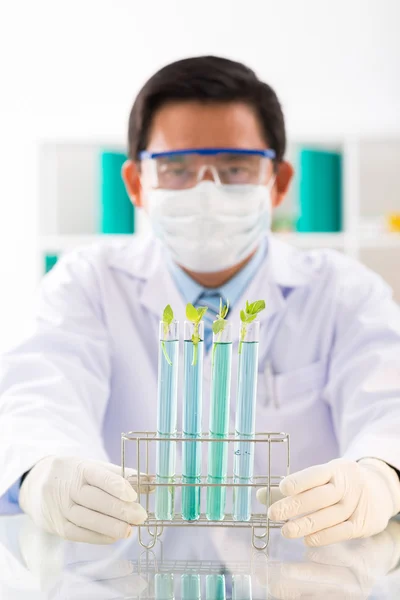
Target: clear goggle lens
179	170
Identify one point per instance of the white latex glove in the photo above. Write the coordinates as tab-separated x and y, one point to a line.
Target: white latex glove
37	565
337	501
81	500
349	570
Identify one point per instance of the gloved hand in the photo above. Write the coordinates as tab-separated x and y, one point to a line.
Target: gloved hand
81	500
349	570
33	565
337	501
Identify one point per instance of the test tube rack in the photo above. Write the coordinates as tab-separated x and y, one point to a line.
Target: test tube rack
141	443
148	567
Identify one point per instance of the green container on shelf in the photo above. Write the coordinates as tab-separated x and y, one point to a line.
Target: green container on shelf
320	191
117	212
49	261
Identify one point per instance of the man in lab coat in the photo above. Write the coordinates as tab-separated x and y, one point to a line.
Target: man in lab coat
206	163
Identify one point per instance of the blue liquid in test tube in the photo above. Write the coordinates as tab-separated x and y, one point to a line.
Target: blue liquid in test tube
219	423
192	411
241	587
168	359
190	586
164	586
215	587
245	421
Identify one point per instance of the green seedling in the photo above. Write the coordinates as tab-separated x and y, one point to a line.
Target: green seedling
247	316
168	317
195	315
219	324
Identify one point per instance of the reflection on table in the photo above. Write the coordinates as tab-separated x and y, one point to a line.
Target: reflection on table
191	565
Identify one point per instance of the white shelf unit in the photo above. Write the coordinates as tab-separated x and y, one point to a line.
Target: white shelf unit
69	197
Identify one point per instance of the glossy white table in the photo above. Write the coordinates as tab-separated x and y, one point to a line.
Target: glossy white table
39	566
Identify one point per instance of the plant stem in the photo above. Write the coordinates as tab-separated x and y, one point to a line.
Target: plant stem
167	358
214	349
195	339
243	332
195	354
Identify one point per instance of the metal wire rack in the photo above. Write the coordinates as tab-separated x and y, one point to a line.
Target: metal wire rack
200	567
255	570
259	524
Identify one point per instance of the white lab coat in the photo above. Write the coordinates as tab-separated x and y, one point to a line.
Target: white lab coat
329	366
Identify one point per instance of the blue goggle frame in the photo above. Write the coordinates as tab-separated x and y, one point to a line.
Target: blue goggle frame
268	153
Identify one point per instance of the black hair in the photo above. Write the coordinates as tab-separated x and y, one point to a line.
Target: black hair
206	79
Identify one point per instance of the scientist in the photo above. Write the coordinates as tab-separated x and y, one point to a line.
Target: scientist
206	163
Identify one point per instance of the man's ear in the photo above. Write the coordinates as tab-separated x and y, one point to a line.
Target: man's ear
130	175
282	182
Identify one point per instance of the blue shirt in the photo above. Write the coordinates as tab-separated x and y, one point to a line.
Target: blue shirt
232	290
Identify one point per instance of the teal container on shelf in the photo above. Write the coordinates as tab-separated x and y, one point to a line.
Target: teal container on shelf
117	211
49	261
320	191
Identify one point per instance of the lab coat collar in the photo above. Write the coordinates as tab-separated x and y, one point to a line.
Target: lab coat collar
284	267
144	259
290	267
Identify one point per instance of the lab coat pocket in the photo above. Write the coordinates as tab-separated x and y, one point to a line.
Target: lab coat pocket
280	390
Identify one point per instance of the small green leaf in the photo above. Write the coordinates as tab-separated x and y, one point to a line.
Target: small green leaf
251	318
224	310
218	326
255	307
191	313
168	315
248	316
201	312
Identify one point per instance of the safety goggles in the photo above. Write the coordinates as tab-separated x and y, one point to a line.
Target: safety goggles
183	169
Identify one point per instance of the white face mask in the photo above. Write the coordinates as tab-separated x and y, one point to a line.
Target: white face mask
210	227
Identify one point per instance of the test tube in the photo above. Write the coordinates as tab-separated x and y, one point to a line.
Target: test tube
168	358
190	586
192	411
219	422
164	586
215	587
245	421
241	587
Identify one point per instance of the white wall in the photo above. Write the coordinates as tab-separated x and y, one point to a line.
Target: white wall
74	67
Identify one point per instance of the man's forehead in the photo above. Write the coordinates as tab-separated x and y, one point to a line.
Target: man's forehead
199	125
